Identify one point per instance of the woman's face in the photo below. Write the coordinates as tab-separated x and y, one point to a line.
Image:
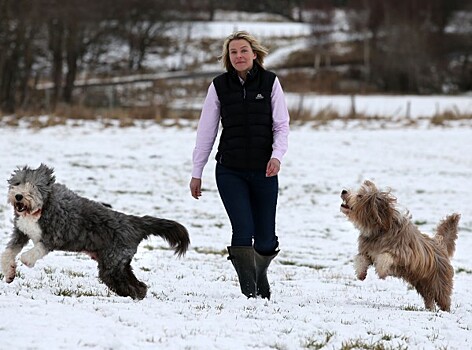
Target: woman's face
241	55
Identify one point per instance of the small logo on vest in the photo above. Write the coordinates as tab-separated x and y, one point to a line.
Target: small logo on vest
259	97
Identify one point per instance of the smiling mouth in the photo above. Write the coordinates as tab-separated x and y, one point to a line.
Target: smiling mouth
20	207
345	208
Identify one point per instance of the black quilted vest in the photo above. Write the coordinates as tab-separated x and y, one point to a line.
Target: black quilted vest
246	116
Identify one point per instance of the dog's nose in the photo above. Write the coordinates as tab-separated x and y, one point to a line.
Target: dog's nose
19	197
344	192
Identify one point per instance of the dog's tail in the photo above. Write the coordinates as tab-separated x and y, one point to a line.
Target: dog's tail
171	231
446	233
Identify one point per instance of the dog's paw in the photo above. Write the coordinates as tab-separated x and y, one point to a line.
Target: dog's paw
362	276
139	291
29	258
9	272
382	275
9	265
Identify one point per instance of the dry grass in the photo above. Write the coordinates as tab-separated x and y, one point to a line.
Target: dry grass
328	115
440	119
157	102
127	117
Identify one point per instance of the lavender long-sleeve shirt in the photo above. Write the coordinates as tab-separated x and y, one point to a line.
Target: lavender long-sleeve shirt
209	122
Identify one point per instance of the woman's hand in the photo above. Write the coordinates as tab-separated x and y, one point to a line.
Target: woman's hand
273	167
195	187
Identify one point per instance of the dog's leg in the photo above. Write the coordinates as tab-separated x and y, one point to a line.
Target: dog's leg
140	288
14	246
383	264
9	263
444	302
442	289
121	280
110	277
425	291
30	257
361	264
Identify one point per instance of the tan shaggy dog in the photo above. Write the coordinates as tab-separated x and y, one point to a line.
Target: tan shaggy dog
395	246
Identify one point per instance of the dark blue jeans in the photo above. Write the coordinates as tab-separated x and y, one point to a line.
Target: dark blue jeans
250	200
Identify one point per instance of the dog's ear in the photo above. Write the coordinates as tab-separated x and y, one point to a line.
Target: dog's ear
16	176
383	209
370	185
48	173
13	177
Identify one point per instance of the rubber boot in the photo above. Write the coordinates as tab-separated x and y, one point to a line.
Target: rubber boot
243	262
262	264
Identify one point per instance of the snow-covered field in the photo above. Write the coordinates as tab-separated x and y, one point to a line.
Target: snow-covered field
195	302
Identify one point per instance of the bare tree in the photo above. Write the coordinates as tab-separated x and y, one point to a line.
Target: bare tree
18	29
73	26
143	24
404	41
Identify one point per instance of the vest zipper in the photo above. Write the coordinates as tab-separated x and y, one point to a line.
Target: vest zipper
246	127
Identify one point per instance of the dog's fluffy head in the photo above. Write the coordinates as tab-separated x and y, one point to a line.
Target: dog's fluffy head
29	188
369	209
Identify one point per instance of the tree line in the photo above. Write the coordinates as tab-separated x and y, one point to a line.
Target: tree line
413	46
408	46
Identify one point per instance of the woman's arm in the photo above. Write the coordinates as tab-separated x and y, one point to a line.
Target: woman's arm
206	131
281	120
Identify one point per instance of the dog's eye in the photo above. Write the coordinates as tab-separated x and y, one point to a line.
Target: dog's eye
16	184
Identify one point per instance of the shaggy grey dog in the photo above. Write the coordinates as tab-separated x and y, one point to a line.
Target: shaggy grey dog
56	218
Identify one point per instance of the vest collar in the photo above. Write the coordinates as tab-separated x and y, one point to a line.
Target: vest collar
251	74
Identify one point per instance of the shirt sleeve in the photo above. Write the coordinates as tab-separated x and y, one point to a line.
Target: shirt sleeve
280	122
206	132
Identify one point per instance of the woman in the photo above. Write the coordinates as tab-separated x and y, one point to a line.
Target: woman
250	103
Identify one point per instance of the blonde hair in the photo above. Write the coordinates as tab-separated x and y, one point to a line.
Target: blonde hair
260	51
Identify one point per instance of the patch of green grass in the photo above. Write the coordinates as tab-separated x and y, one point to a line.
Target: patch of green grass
72	273
160	296
294	263
151	247
65	292
369	345
419	223
412	308
318	344
205	250
463	270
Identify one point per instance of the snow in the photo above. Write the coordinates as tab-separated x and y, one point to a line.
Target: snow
221	29
194	302
398	106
